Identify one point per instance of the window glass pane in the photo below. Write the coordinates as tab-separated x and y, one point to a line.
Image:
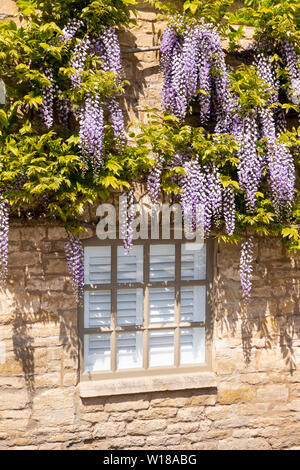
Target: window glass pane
130	266
192	303
161	348
97	308
193	261
97	264
162	263
192	346
161	305
97	352
129	350
130	307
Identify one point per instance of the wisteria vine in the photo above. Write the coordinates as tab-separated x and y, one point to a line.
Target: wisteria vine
75	258
4	229
195	71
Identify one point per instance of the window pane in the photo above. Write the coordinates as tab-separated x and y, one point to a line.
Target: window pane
129	350
192	303
97	309
130	307
130	266
161	348
193	261
192	346
162	263
97	352
161	305
97	264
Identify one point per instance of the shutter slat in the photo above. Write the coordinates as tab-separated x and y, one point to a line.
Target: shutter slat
161	305
130	267
97	265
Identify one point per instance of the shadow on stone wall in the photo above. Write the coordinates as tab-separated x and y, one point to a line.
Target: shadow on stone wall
39	308
272	316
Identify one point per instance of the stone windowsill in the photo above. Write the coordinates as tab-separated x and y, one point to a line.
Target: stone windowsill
159	383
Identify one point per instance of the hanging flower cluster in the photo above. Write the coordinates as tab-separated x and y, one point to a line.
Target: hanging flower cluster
48	100
4	229
91	115
91	131
91	120
291	61
246	266
91	135
194	69
75	255
153	183
278	157
70	29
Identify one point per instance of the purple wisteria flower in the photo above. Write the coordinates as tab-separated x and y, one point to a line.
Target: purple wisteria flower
246	267
75	255
48	94
117	119
194	69
154	180
201	198
229	209
80	54
91	132
251	162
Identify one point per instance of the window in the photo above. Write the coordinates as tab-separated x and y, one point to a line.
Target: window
145	312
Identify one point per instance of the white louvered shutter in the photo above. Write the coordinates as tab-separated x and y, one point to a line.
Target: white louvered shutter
97	308
130	307
193	262
192	303
129	350
97	352
162	263
161	348
97	264
161	305
130	266
192	345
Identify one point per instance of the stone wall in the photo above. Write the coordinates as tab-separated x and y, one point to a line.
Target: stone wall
256	349
256	403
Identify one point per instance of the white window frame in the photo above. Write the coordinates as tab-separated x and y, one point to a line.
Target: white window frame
146	327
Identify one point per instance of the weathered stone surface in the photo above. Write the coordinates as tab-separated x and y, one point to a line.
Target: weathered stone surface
255	400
